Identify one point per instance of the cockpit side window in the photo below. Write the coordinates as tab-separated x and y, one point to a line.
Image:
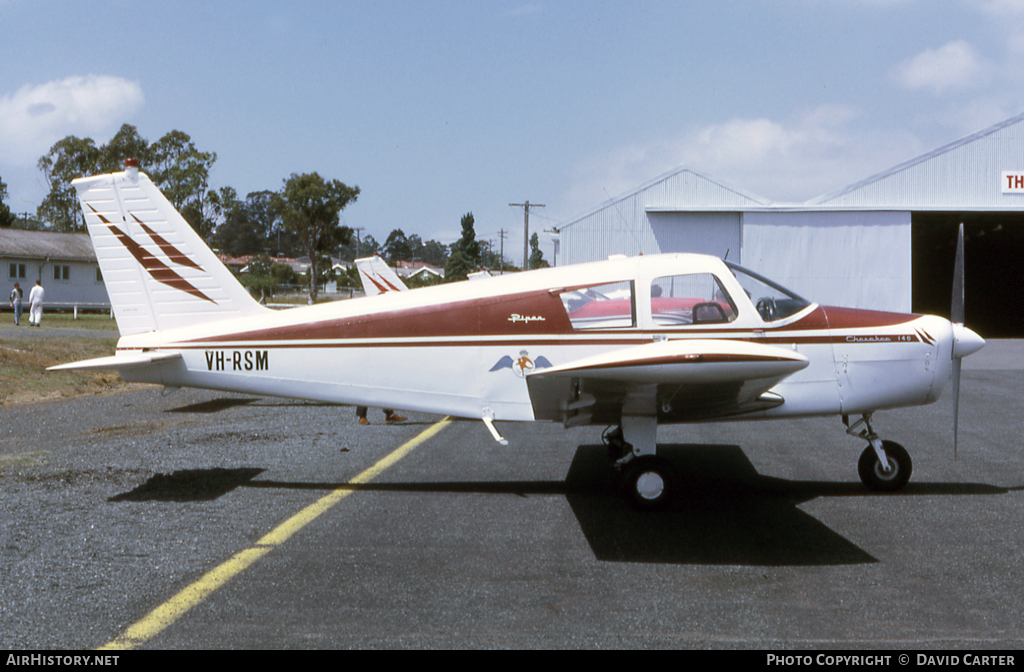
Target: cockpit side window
607	306
697	298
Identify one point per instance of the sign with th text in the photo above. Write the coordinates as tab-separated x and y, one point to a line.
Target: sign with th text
1013	181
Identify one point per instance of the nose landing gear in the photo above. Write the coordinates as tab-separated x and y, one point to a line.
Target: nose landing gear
884	466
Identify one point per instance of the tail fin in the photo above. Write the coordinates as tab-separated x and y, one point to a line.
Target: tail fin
159	274
377	276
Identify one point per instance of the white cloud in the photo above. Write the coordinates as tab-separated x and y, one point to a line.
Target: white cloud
783	161
36	116
952	66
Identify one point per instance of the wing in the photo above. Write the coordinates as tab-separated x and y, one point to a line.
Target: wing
377	277
676	381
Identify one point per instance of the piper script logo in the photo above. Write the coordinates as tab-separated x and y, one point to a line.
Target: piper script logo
516	317
156	268
1013	182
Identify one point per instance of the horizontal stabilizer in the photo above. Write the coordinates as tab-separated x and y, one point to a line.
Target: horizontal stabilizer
117	362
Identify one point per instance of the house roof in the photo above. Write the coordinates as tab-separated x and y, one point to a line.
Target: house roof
46	245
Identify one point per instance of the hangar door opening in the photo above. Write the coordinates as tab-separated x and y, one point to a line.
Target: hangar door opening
714	233
993	268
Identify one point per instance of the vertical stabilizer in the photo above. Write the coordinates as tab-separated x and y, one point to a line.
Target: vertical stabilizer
377	276
159	274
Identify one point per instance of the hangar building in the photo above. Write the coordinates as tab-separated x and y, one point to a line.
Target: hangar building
887	242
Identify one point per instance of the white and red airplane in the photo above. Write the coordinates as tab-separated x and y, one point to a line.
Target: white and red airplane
629	342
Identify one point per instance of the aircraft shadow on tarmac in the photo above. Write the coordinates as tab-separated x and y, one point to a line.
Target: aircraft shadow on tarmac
213	405
727	514
188	485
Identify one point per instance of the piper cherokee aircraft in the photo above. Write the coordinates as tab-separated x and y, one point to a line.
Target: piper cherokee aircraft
630	343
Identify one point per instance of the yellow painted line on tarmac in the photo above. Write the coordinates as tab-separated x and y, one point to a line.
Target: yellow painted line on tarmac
173	609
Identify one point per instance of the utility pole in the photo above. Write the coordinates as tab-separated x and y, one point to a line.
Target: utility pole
502	233
526	229
358	240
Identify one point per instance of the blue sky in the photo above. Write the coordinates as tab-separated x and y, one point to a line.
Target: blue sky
439	108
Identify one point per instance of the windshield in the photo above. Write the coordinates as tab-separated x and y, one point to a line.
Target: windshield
773	302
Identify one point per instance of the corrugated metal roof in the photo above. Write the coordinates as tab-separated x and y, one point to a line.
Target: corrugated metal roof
621	226
46	244
964	174
680	185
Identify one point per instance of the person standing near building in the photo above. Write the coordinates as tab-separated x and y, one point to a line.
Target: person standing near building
16	304
35	305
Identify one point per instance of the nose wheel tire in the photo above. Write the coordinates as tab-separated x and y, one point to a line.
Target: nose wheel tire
649	481
885	480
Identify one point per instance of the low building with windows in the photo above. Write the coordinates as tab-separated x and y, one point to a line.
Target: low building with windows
64	263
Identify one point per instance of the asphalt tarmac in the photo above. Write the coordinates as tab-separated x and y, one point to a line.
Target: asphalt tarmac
113	505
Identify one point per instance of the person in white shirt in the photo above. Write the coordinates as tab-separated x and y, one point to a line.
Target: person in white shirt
35	305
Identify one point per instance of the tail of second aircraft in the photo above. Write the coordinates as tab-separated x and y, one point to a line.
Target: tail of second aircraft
158	272
377	276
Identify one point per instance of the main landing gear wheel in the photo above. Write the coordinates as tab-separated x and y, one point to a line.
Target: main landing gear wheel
649	481
875	477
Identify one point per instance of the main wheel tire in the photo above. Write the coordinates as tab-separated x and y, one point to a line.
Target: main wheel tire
875	478
649	481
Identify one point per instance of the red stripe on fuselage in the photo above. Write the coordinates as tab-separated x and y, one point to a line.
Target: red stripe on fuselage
491	320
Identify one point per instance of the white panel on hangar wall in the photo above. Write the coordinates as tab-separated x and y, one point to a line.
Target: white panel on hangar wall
858	259
713	233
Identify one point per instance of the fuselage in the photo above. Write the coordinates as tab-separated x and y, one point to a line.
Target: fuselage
466	349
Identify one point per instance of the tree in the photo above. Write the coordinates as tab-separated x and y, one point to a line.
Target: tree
465	256
259	207
6	216
310	207
246	227
173	163
397	247
67	159
259	277
179	169
434	253
234	235
126	144
458	267
182	172
536	256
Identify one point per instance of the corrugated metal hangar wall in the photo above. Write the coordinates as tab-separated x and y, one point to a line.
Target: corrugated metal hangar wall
887	242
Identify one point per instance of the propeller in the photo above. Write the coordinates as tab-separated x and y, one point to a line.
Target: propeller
956	316
965	341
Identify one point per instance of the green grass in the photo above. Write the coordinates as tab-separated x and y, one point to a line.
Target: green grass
25	356
91	321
